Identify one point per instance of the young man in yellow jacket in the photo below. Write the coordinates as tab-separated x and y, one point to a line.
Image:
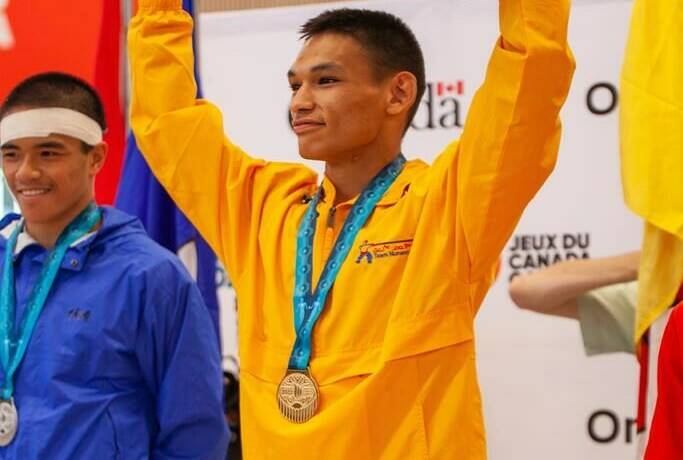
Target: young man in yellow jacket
344	356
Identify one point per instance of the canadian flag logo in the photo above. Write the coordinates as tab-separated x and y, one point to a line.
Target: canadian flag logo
6	37
442	88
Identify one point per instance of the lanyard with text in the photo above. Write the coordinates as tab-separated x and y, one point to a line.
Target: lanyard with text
13	348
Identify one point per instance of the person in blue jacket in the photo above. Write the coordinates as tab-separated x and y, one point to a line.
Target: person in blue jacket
106	348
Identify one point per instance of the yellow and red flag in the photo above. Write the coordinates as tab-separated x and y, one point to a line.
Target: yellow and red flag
652	149
652	176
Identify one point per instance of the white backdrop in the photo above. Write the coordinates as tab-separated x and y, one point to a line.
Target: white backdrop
540	391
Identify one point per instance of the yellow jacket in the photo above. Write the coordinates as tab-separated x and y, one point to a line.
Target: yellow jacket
393	352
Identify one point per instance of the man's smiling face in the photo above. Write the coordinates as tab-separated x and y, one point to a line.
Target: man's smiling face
50	177
338	104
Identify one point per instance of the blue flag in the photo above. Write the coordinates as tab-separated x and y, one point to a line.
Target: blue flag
140	194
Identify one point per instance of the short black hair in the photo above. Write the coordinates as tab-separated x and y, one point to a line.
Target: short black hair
56	89
389	42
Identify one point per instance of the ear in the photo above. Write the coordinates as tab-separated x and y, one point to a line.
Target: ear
402	93
97	157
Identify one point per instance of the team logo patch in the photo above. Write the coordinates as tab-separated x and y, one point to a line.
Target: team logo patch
367	252
79	314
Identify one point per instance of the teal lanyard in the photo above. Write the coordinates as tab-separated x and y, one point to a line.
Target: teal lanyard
308	305
13	349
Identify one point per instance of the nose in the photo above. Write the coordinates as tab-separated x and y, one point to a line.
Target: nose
27	169
302	100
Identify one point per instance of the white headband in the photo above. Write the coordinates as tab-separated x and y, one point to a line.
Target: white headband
45	121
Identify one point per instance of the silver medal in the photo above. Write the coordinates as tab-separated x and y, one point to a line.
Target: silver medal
9	419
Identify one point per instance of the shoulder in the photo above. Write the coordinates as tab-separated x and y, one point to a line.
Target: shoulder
287	175
124	245
423	175
7	224
415	175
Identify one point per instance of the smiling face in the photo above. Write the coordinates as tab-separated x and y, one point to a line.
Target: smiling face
51	177
338	106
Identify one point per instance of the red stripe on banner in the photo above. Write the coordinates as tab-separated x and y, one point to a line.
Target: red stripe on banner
643	360
108	81
666	434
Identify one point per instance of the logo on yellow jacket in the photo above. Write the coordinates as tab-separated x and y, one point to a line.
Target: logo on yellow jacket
367	252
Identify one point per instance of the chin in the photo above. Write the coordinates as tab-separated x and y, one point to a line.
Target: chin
37	218
311	156
312	152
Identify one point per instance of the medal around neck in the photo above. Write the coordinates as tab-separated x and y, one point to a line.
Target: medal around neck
13	346
9	420
298	394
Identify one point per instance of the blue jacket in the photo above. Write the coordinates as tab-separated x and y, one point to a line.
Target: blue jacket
124	360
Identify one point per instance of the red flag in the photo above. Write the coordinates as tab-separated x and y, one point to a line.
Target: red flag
666	435
82	38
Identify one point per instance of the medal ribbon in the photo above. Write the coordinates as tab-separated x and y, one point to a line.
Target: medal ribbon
13	349
307	305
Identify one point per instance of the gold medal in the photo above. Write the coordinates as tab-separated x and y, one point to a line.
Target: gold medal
297	396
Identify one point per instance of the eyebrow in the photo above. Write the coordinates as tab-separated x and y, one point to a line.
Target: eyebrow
50	145
318	68
41	145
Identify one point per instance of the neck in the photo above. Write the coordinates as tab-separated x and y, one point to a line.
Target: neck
44	236
47	234
351	177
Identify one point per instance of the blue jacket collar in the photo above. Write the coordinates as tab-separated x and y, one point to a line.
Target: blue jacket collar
115	224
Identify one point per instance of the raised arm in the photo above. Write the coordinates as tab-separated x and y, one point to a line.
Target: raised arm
181	137
162	65
512	133
555	290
